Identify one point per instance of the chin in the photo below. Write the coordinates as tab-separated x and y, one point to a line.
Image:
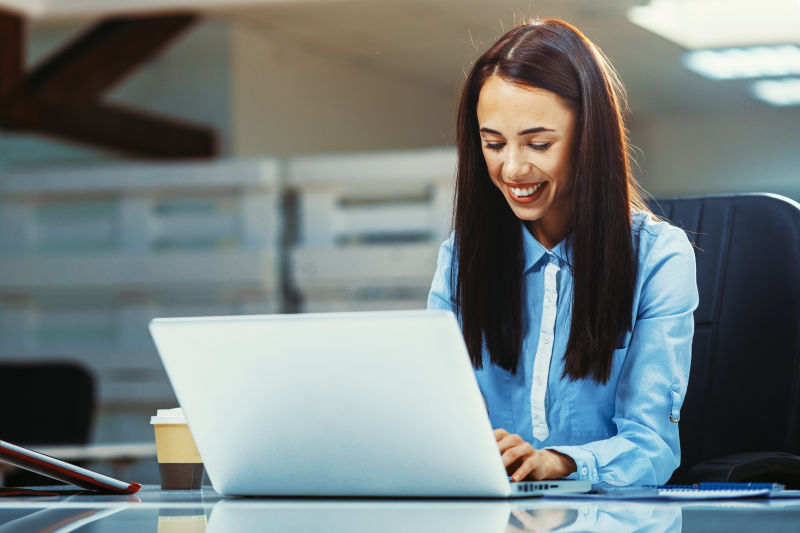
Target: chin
528	215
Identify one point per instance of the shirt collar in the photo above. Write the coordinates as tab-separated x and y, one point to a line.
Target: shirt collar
535	252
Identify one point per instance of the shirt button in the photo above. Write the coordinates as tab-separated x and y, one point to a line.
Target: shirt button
547	340
584	471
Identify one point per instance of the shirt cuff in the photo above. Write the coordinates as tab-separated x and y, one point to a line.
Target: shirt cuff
584	460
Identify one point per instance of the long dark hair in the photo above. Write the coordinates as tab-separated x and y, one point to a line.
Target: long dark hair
554	56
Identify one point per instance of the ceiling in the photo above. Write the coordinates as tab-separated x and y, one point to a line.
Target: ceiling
432	42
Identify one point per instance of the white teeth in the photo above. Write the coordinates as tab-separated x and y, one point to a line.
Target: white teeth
525	191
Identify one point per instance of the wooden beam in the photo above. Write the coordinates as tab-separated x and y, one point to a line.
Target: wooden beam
12	52
119	128
63	96
102	56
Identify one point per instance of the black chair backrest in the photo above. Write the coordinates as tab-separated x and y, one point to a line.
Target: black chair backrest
46	403
744	387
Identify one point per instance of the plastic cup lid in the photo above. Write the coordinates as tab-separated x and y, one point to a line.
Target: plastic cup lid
168	416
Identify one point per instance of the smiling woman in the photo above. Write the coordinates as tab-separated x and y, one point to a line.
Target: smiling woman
575	302
532	166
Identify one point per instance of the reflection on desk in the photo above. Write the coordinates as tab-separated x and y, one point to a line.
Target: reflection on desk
608	516
350	516
205	511
58	514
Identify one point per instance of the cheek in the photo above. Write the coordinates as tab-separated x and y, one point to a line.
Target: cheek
561	169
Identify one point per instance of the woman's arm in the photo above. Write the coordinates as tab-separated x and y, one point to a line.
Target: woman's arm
654	377
652	385
440	295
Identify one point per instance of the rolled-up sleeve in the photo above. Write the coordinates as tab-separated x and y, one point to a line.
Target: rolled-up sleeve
654	375
440	295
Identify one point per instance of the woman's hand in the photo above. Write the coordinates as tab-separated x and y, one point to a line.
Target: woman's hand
522	461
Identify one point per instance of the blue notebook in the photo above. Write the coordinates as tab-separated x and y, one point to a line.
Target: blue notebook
699	491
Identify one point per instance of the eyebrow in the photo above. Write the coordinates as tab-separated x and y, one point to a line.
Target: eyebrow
523	132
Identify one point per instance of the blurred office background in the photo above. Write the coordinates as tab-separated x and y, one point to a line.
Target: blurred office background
328	180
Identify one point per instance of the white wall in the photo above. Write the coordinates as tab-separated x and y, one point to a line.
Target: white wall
289	99
733	152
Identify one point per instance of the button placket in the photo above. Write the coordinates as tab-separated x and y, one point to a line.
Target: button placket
544	352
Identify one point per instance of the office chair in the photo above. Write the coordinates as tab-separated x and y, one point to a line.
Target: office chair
44	403
741	417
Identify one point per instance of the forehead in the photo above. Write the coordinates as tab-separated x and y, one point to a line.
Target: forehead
503	105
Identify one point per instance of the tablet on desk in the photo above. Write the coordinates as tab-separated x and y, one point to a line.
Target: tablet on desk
62	471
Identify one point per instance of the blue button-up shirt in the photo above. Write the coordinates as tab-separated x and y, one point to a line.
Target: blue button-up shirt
623	432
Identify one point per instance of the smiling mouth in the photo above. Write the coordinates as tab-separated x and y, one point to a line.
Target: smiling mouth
526	194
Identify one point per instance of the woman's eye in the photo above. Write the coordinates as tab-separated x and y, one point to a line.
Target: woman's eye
494	146
542	146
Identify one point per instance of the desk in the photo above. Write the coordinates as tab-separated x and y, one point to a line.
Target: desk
204	511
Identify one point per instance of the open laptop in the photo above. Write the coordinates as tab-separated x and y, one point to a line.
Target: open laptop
344	404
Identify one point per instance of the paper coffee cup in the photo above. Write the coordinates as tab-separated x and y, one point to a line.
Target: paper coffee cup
179	462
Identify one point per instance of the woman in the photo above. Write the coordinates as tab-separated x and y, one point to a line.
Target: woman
575	303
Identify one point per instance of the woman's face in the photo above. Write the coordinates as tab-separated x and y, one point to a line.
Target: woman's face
528	138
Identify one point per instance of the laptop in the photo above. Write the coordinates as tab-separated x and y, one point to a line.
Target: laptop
370	404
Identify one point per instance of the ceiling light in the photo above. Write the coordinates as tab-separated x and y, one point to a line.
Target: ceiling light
741	63
696	24
781	92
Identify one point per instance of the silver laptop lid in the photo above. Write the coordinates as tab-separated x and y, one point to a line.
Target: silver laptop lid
342	404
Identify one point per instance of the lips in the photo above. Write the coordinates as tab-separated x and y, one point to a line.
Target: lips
526	193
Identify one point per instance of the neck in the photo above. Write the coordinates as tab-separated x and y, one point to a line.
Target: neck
549	230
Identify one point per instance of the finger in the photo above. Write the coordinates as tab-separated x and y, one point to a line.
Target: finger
523	471
524	518
530	468
509	441
529	520
517	453
542	519
500	433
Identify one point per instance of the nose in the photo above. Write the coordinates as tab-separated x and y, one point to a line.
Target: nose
516	165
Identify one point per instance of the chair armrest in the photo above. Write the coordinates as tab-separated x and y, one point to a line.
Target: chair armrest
777	467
